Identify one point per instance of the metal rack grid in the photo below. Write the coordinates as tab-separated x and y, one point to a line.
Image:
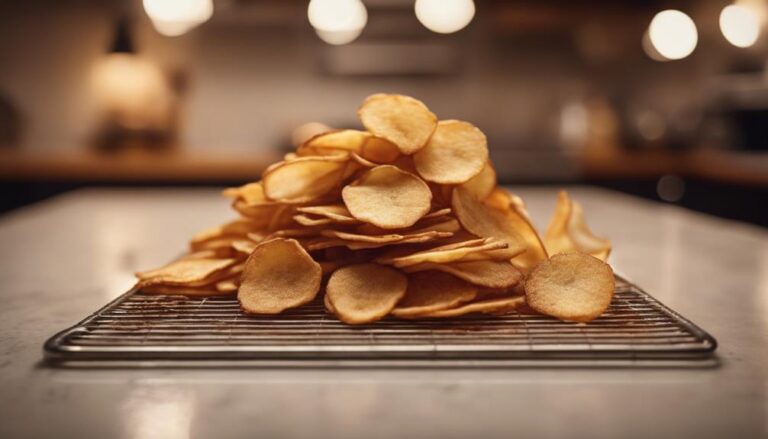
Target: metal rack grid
147	330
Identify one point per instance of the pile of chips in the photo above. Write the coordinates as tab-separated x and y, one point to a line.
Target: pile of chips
402	219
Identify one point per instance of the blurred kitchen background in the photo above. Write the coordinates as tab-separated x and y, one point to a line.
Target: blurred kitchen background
667	100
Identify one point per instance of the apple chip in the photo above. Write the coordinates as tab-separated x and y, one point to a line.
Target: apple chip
185	272
573	287
402	120
487	273
305	178
498	305
430	291
482	184
568	232
278	275
485	221
365	293
455	153
388	197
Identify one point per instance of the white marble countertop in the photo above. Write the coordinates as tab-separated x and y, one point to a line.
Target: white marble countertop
63	259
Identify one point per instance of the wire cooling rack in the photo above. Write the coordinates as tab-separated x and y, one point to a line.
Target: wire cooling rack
140	329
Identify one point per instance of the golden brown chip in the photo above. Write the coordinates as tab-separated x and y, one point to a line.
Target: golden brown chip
184	291
430	291
308	221
503	201
499	305
442	255
251	193
227	286
573	287
244	246
487	273
365	293
334	142
380	150
362	161
185	272
455	153
337	212
485	221
402	120
278	275
388	197
233	229
482	184
328	305
568	232
305	178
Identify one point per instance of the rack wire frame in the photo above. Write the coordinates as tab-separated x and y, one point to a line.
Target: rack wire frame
138	329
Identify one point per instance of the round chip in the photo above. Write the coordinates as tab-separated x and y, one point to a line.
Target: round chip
572	287
430	291
482	184
365	293
455	153
278	275
305	178
388	197
485	221
402	120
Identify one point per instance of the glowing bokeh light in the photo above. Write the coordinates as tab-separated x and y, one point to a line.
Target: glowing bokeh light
176	17
740	25
337	21
445	16
673	34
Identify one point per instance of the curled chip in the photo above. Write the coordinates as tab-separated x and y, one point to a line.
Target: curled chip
430	291
185	272
487	273
388	197
482	184
572	287
380	150
337	213
498	305
334	142
456	152
568	232
365	293
251	193
442	255
485	221
278	275
402	120
305	178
